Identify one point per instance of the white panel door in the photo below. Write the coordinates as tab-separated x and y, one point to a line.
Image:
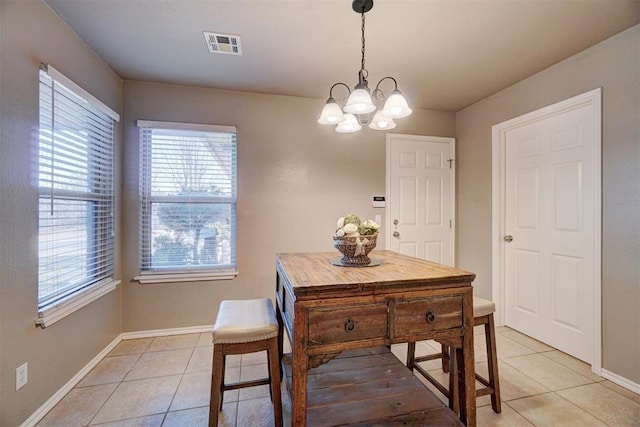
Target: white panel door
550	213
420	197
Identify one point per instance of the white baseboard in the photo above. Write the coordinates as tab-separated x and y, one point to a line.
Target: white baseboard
152	333
62	392
621	381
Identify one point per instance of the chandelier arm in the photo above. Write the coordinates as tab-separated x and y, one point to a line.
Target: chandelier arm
338	84
384	78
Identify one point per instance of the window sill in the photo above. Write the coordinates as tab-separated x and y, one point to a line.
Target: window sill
186	277
58	311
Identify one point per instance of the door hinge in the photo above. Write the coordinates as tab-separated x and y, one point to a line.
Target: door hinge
451	163
450	224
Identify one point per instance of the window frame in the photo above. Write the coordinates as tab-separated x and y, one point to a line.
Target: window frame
151	274
98	279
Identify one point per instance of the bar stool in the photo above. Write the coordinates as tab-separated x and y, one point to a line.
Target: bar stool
245	326
482	315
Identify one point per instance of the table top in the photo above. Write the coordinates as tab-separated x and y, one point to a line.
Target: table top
313	273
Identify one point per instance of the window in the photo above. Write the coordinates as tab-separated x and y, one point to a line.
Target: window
75	179
188	202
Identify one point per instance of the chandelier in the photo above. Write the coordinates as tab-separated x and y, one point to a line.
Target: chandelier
360	103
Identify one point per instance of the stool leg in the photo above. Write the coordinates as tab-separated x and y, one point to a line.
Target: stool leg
411	355
274	380
217	380
224	370
492	360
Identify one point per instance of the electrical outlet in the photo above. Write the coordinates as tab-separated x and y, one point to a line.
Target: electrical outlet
22	375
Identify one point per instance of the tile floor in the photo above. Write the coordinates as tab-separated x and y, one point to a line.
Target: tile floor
164	381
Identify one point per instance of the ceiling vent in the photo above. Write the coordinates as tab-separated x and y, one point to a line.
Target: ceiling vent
223	43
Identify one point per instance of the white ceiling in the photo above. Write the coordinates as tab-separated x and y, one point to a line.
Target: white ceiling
445	54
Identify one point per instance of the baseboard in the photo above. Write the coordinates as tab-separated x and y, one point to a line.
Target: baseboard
62	392
152	333
621	381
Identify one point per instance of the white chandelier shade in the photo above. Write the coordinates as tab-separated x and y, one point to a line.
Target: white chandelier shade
359	102
396	106
381	122
331	113
349	125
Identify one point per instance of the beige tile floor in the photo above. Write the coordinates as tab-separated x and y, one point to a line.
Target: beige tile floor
165	381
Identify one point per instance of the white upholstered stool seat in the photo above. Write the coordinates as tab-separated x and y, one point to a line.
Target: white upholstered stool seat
245	326
482	307
245	321
482	315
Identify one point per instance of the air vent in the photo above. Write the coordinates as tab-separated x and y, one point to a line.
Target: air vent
223	43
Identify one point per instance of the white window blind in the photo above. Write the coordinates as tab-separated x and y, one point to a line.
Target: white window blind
75	178
188	195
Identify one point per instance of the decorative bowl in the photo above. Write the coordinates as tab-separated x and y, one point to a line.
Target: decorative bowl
354	250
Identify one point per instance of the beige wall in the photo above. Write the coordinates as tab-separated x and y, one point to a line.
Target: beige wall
31	33
295	178
613	65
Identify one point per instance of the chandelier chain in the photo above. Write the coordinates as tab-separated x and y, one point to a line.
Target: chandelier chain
362	67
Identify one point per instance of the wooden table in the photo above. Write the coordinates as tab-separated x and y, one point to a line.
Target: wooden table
327	309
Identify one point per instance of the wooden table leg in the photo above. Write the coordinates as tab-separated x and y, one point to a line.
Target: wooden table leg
299	368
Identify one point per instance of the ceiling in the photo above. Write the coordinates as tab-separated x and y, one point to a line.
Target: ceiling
445	54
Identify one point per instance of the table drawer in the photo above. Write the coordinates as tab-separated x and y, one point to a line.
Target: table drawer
328	325
420	316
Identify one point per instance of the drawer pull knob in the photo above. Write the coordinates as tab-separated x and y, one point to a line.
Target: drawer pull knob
349	326
431	316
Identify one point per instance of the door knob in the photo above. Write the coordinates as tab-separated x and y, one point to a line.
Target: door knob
508	238
396	234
